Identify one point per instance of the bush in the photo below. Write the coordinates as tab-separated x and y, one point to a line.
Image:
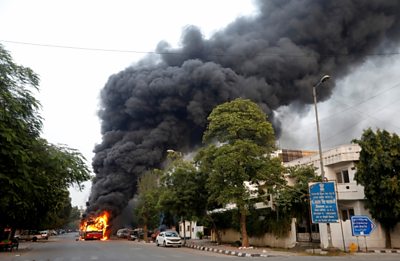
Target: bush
199	234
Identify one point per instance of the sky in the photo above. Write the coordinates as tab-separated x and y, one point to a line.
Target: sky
75	46
71	79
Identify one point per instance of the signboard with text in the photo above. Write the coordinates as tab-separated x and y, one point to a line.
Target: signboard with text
323	202
361	226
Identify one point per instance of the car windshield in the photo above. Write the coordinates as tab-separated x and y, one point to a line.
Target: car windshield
171	234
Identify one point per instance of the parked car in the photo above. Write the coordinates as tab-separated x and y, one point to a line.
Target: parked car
133	236
29	235
124	233
45	234
52	232
168	238
138	233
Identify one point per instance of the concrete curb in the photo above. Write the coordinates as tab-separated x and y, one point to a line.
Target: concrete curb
226	252
385	251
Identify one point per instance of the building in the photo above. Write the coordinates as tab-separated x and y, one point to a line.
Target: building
190	230
339	166
288	155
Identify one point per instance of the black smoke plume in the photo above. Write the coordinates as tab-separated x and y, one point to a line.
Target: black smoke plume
273	58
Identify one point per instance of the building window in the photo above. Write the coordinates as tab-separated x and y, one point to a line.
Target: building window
347	213
343	176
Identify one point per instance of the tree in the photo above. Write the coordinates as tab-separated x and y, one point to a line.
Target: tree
34	175
54	169
182	193
74	219
148	195
293	200
245	141
378	171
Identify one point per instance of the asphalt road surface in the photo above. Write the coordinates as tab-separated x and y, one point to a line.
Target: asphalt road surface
66	248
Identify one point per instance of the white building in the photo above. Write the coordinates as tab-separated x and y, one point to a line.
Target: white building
190	230
339	166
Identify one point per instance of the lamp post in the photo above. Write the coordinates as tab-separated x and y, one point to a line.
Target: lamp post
323	79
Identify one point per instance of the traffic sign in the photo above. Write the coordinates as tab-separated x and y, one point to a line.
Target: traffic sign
361	226
323	202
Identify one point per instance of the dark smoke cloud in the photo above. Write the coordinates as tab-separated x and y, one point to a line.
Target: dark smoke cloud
273	58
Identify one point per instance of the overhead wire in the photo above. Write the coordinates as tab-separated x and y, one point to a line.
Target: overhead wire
260	54
364	116
183	53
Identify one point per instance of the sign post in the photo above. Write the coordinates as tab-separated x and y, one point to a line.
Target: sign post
323	202
362	226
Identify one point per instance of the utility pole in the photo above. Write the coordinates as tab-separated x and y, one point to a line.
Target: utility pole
323	79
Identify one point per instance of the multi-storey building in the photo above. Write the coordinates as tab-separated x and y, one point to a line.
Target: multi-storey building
339	166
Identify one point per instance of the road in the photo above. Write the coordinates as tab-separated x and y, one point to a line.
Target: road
66	248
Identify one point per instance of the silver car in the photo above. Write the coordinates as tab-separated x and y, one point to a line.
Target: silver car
169	238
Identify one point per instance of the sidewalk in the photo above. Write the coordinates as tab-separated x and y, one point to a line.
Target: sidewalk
227	249
207	245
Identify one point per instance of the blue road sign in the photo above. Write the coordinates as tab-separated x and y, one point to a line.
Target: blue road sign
323	202
361	226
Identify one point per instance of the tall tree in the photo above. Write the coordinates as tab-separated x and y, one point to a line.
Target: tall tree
181	184
20	126
245	140
378	170
34	175
147	209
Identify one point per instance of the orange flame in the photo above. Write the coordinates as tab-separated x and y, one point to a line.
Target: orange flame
99	223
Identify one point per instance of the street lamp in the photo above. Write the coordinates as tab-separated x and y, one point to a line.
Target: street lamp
323	79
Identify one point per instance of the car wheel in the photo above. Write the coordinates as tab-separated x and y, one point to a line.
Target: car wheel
157	243
34	239
164	244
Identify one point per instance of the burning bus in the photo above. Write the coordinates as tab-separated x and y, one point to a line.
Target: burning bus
95	227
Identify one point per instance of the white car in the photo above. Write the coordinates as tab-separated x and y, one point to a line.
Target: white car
169	238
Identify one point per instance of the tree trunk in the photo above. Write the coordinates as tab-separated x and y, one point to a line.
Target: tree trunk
145	229
388	241
215	229
245	238
145	238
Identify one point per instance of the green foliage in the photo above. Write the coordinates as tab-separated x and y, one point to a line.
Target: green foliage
240	119
230	165
148	195
378	171
245	140
293	200
261	221
182	189
34	175
75	214
226	219
199	234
